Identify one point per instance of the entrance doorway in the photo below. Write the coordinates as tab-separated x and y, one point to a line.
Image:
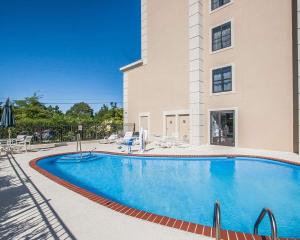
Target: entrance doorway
144	122
222	128
184	127
170	126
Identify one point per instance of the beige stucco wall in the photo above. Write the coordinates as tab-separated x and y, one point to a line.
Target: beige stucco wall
161	85
262	57
262	61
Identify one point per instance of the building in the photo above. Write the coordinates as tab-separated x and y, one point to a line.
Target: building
220	72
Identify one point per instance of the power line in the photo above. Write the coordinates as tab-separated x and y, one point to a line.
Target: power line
62	99
64	103
72	103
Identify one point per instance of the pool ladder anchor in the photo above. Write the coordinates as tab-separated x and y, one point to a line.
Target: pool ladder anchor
90	152
78	145
217	221
272	221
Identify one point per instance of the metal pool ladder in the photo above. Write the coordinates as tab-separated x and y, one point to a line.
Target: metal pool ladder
272	221
217	220
78	146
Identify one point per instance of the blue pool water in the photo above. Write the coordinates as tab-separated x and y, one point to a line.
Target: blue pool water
186	188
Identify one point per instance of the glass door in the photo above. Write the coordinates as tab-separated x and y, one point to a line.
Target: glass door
222	125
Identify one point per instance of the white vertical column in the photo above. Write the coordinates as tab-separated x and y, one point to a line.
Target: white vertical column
144	31
125	99
298	58
196	92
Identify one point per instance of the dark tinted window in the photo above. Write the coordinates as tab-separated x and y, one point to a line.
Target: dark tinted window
221	36
218	3
222	79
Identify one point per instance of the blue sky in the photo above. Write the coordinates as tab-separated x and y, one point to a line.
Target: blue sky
67	50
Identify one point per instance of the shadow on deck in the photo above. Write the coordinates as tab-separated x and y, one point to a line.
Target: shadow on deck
25	213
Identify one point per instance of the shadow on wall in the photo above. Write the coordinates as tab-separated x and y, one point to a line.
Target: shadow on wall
24	211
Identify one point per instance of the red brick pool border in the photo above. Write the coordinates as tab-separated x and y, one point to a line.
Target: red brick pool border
162	220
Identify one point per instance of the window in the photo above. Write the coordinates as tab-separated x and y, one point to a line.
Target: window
222	79
218	3
221	37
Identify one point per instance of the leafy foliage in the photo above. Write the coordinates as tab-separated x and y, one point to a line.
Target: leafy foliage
80	111
33	117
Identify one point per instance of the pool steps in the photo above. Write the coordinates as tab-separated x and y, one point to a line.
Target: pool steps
217	222
272	222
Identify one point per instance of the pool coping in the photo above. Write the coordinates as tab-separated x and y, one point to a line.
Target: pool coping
151	217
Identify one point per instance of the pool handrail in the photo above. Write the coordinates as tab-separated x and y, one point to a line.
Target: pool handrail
217	220
92	151
78	143
272	221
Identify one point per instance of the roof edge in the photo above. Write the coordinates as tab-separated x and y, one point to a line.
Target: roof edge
132	65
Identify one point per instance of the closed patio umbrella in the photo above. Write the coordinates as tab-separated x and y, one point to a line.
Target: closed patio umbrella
8	119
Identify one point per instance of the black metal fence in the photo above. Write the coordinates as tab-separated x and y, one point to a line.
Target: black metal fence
63	133
129	127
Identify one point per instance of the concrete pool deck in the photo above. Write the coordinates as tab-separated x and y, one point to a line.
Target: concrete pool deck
33	206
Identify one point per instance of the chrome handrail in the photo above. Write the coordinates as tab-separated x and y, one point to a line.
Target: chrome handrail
92	151
78	147
217	220
272	221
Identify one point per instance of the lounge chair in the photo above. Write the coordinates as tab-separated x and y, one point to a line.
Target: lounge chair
126	138
111	139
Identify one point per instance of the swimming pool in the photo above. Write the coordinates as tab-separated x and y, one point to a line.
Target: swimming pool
187	188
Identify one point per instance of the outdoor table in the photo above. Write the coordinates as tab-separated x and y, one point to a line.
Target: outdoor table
3	141
3	145
7	143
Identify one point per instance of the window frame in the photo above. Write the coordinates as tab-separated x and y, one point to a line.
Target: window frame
220	31
219	8
231	21
212	93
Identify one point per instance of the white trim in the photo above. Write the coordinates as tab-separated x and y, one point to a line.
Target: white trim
132	65
145	114
144	31
125	98
236	120
196	69
210	11
176	114
298	62
233	80
231	20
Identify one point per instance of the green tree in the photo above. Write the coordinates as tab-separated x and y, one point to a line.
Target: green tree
80	110
54	110
110	118
1	106
31	108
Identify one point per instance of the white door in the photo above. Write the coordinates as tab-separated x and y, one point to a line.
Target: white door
184	127
144	122
170	126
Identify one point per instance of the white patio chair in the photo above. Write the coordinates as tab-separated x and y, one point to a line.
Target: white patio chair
19	144
111	139
19	138
126	138
3	146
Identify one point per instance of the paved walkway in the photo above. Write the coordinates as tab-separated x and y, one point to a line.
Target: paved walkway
25	213
34	207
